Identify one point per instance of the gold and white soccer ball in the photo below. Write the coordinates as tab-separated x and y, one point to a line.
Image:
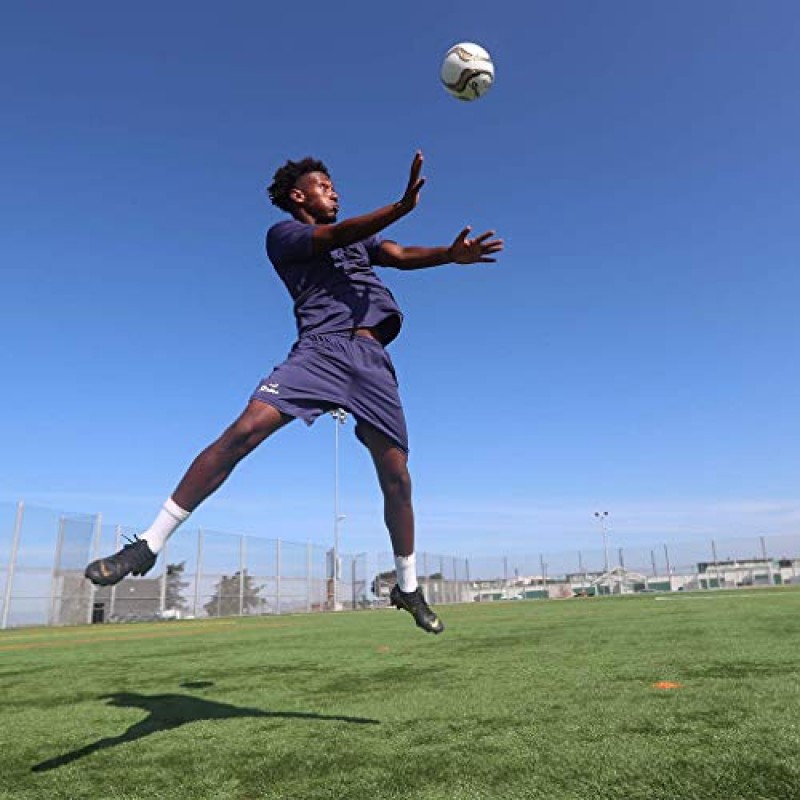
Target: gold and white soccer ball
467	71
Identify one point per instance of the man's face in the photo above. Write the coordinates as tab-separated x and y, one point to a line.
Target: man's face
314	193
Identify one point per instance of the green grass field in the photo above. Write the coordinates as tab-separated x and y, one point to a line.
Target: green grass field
516	700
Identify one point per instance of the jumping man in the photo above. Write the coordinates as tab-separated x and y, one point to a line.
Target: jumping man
346	318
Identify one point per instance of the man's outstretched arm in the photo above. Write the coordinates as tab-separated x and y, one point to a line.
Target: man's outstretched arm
463	250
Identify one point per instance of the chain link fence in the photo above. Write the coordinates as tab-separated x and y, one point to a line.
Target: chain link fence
200	573
207	573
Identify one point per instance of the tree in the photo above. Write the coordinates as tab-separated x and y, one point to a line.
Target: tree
175	587
228	593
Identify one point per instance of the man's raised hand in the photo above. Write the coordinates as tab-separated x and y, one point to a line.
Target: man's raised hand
472	251
415	183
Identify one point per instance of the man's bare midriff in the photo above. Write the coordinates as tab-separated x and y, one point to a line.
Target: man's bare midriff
368	332
385	331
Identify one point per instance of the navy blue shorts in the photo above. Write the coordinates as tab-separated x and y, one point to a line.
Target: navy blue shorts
338	370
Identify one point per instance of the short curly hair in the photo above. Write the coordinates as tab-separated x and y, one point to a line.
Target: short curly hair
286	177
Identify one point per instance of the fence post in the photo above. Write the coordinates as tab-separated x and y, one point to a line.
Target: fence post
54	593
242	557
113	597
98	532
12	563
770	570
278	575
669	567
353	581
198	571
716	567
162	598
309	576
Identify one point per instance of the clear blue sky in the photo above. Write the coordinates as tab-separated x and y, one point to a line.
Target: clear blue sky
634	350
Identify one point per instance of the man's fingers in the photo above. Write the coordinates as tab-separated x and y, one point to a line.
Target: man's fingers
486	260
416	165
414	189
484	236
414	181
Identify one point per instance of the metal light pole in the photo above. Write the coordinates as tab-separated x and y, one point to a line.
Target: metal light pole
339	417
602	517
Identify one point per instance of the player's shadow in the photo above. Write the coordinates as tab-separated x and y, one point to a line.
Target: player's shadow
167	711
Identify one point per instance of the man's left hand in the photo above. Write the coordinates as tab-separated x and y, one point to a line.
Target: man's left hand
473	251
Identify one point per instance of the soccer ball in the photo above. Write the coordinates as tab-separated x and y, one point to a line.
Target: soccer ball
467	71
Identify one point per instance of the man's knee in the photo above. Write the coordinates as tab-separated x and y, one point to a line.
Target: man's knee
396	482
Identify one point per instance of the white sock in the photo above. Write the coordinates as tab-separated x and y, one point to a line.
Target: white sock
164	525
406	567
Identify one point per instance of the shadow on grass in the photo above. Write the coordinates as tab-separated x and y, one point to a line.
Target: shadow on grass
167	711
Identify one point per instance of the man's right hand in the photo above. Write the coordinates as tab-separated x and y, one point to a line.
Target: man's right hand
355	229
415	183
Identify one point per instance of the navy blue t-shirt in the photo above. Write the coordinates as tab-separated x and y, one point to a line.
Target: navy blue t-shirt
335	291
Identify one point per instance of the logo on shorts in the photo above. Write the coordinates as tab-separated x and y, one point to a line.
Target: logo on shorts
269	388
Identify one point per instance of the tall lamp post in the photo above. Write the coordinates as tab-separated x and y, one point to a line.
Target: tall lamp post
602	518
339	418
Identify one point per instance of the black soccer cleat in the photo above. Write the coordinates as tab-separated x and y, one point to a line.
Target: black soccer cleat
136	558
414	603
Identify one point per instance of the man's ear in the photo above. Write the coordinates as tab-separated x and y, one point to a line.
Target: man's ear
297	195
